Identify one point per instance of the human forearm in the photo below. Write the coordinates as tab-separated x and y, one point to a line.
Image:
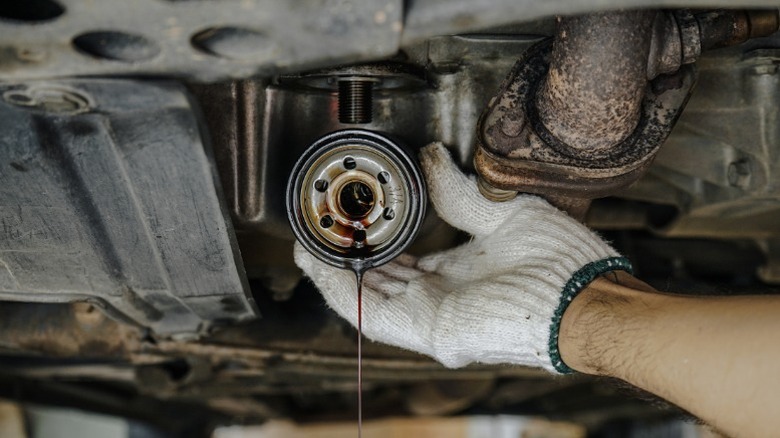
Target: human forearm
714	356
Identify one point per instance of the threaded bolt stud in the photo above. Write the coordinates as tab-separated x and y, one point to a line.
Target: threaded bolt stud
355	101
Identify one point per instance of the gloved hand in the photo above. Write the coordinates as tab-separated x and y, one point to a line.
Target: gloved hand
496	299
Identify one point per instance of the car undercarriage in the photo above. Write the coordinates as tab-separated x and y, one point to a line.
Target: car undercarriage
146	260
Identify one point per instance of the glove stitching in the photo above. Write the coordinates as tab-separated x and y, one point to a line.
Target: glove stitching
574	286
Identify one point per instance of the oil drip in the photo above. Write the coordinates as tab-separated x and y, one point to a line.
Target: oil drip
359	278
359	267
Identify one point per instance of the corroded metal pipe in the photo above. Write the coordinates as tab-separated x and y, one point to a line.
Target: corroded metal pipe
576	118
583	117
723	28
592	95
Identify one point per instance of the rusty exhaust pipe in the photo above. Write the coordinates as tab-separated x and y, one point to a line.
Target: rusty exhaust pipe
577	118
583	116
592	95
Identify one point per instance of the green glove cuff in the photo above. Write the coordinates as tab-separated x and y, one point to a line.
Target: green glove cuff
574	286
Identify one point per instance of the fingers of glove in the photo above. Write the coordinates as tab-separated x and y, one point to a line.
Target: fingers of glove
456	197
406	260
408	320
473	261
408	300
403	267
539	230
454	264
381	293
336	285
392	278
537	235
381	285
391	315
386	285
511	246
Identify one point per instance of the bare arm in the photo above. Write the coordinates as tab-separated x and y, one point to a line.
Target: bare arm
717	357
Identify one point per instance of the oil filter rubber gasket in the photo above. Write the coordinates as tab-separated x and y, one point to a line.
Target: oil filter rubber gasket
356	197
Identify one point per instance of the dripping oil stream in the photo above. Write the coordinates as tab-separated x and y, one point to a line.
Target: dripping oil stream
359	280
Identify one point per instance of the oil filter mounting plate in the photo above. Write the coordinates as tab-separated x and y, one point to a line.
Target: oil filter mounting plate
356	198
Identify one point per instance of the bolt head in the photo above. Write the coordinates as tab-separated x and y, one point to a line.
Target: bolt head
512	126
494	193
739	174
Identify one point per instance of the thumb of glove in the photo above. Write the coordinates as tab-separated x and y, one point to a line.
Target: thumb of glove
456	196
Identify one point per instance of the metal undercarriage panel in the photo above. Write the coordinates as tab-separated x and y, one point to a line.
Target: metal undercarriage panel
108	194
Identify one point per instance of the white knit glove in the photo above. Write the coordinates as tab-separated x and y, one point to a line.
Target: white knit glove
497	299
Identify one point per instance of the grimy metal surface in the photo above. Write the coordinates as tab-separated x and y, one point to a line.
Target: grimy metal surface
202	40
719	169
109	195
217	40
428	18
